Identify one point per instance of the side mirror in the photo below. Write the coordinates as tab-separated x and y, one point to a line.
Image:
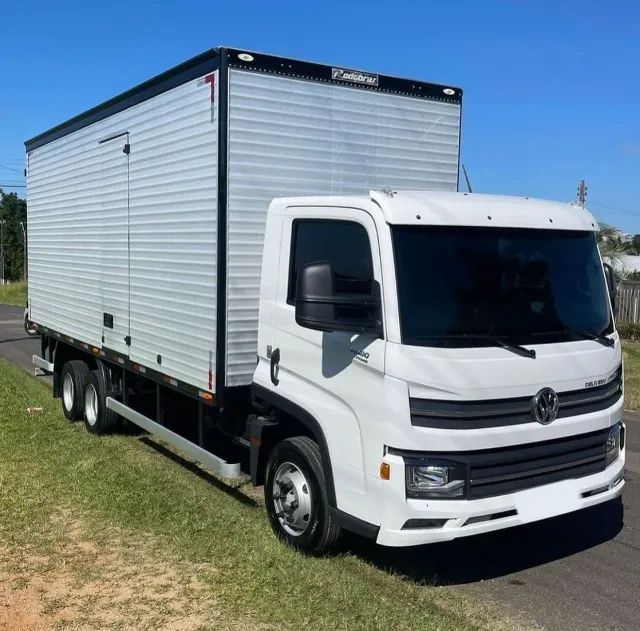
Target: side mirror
318	306
612	284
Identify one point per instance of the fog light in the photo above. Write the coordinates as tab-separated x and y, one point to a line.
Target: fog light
617	481
435	479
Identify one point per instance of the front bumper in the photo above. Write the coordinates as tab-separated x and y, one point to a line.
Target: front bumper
520	507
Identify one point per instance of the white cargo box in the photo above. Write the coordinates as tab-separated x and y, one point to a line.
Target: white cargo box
146	214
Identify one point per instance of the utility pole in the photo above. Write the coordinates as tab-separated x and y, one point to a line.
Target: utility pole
2	221
582	193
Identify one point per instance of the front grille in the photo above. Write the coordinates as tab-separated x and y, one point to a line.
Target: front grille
443	414
492	472
495	472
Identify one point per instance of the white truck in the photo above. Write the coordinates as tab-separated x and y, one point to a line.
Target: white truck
266	264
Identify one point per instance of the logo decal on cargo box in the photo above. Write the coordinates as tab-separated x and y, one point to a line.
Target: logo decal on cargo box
354	76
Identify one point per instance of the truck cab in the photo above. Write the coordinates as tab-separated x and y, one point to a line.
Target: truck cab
453	357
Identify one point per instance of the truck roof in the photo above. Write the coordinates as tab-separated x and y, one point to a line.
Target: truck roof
462	209
244	59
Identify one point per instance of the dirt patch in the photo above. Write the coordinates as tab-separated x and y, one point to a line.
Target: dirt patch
115	582
21	607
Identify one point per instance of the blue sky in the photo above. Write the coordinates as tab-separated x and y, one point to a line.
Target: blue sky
551	88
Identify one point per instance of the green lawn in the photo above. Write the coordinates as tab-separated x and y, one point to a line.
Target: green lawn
148	538
14	294
631	356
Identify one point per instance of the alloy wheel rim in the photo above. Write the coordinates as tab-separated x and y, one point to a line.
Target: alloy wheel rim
67	392
91	405
292	499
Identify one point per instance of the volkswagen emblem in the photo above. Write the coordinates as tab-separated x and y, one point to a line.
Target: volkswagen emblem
544	406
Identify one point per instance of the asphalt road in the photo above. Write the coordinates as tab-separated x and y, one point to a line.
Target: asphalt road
576	572
15	344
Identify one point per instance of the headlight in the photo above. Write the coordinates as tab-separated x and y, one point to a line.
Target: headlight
435	480
612	448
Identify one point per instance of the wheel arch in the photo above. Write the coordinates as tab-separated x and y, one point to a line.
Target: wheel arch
286	419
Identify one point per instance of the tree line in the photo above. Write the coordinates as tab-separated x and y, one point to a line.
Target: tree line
13	212
611	238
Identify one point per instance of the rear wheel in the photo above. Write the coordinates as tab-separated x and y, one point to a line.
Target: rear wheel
98	418
296	496
73	378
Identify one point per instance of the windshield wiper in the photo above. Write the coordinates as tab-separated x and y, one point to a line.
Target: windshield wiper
510	346
495	341
603	339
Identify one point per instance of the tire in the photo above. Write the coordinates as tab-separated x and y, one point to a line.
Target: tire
98	419
29	327
296	497
73	379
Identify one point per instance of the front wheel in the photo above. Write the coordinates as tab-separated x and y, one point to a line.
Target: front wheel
296	496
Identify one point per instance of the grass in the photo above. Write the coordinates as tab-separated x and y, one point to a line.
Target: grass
14	294
120	489
631	357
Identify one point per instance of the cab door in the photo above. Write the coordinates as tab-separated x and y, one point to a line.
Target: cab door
335	376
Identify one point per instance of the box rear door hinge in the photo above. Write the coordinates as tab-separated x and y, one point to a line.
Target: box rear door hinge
127	340
127	149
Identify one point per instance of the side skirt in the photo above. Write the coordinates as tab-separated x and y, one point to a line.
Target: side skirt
207	459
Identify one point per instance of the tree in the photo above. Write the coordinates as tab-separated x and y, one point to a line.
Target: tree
611	248
13	211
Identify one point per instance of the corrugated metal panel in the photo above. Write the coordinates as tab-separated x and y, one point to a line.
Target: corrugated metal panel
114	240
296	137
172	232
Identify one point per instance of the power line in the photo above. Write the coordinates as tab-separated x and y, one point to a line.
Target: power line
466	177
13	186
3	166
615	208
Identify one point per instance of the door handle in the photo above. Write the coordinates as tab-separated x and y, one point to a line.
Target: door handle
275	365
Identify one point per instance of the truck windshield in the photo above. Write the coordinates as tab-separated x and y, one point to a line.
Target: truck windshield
526	286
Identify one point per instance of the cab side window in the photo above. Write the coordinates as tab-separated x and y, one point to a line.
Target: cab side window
343	244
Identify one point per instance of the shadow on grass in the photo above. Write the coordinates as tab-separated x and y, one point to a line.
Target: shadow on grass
487	556
192	467
468	559
465	560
